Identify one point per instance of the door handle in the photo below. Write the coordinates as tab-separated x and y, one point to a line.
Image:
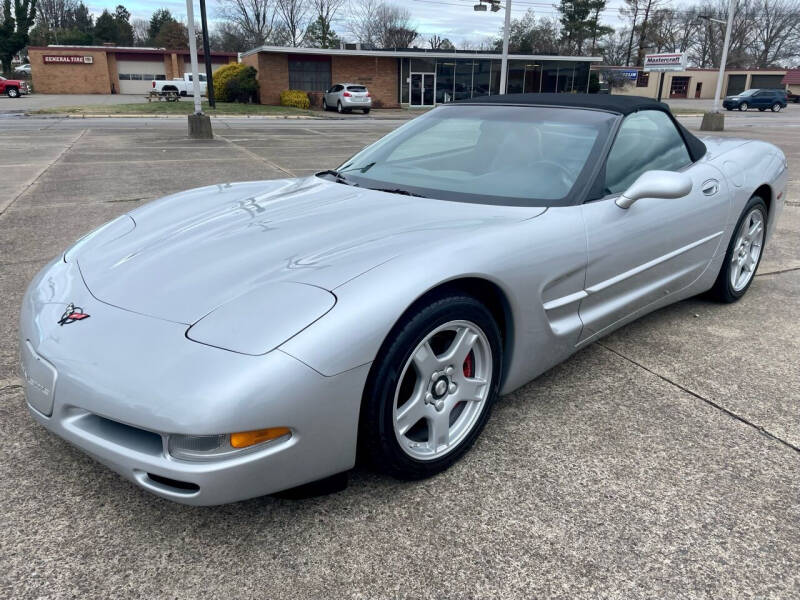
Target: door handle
710	187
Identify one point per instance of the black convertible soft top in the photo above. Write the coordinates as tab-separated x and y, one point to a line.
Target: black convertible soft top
623	105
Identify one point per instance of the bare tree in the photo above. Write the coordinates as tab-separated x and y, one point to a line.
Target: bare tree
141	31
256	19
54	14
775	32
614	47
294	17
380	25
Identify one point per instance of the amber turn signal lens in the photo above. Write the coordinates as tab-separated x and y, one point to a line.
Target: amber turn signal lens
243	439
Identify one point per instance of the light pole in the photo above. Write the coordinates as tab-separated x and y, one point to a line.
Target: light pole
199	124
495	4
715	120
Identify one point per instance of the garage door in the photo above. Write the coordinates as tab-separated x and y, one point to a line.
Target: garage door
766	82
735	84
136	76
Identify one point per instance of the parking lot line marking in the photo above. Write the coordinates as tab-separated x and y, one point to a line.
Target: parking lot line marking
5	206
255	156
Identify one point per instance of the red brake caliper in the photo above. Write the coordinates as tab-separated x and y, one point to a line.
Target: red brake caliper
469	365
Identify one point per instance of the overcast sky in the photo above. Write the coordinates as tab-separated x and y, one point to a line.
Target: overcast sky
453	19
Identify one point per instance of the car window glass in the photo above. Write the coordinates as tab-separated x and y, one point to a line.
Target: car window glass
356	88
646	140
500	155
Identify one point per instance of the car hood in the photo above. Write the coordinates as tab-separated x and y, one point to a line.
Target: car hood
190	253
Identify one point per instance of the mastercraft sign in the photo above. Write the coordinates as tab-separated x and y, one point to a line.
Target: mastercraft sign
665	62
68	59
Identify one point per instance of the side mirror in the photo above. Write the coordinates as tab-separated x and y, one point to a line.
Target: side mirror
656	184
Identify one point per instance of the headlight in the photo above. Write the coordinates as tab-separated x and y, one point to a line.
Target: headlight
217	447
259	321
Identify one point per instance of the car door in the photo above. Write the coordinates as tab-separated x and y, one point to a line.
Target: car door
657	247
762	99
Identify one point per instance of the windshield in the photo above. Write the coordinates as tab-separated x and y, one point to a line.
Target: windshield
511	155
748	93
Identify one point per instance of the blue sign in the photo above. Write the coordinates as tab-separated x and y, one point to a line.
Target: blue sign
631	74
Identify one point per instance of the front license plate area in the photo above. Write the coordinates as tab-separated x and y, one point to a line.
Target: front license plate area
40	379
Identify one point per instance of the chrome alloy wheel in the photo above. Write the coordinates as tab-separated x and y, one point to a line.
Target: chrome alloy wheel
747	251
442	390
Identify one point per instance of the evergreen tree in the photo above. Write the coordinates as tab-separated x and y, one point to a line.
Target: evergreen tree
124	28
106	29
159	18
320	35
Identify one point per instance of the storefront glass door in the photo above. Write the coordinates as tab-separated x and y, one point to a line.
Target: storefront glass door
422	87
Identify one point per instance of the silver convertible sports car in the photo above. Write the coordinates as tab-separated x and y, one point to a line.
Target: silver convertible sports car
247	338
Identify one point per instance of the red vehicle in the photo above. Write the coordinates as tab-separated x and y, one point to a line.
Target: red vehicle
13	88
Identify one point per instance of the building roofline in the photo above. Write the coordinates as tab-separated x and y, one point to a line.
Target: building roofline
128	49
422	53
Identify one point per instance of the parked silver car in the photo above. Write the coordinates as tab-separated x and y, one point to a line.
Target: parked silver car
245	338
344	97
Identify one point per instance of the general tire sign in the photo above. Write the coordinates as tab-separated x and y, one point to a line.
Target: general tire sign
665	62
68	59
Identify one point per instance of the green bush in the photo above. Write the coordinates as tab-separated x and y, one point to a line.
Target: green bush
235	82
296	98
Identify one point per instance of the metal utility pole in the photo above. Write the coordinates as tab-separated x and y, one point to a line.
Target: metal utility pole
199	124
715	120
495	4
723	62
504	62
207	56
193	55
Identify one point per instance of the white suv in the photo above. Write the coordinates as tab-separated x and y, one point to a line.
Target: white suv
344	97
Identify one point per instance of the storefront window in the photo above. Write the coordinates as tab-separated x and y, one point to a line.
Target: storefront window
457	78
309	73
445	77
463	79
404	80
481	75
494	86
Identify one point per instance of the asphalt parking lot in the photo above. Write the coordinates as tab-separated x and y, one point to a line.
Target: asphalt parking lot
661	462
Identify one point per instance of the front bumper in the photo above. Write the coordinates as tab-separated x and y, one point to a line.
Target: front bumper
121	382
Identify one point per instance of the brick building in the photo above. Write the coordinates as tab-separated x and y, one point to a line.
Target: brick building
691	83
109	69
412	77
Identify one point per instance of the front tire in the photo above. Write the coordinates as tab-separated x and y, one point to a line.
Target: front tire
12	92
744	253
324	104
431	388
743	106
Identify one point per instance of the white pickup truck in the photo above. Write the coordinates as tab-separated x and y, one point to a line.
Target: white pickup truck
174	88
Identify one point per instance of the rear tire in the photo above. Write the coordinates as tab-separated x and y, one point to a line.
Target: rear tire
776	107
366	111
744	253
420	413
339	108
